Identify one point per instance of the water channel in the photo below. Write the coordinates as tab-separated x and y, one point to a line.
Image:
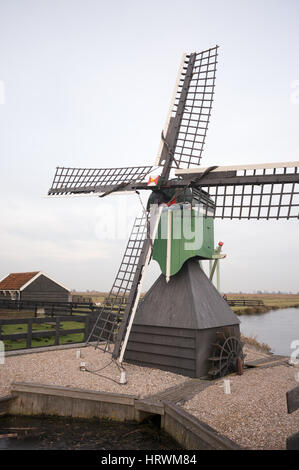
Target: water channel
57	433
277	328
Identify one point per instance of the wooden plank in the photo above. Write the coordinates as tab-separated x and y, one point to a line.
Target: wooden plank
42	334
160	360
149	407
57	390
293	399
13	336
159	330
74	318
292	442
162	349
71	332
14	321
202	431
146	337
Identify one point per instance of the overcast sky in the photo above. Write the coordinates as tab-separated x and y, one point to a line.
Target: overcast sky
88	83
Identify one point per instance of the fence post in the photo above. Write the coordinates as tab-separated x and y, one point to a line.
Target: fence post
86	332
29	333
57	331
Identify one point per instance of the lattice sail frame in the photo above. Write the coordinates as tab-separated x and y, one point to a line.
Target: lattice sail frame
196	111
95	180
262	191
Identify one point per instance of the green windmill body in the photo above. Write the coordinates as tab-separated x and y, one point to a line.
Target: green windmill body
184	231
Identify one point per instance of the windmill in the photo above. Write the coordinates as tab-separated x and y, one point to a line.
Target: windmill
182	324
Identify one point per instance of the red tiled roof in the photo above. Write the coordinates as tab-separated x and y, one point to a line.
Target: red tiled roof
15	281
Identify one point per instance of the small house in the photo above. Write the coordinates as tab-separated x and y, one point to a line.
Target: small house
33	286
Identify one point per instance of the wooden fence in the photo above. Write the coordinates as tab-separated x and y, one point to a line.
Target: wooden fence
56	331
81	299
50	308
244	302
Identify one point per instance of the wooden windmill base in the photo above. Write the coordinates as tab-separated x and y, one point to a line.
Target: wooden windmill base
176	323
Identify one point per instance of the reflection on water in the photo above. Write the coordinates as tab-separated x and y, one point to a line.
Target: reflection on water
277	328
47	433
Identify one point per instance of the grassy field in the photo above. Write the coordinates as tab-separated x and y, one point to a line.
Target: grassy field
271	302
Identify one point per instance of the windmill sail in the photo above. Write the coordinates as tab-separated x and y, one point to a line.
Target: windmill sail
188	118
261	191
95	180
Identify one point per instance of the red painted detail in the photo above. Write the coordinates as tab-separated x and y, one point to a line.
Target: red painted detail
173	201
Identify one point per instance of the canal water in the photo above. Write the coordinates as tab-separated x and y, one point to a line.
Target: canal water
277	328
56	433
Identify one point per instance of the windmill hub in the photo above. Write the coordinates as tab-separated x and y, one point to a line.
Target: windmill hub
169	195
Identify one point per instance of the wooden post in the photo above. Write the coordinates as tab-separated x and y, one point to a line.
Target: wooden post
29	333
57	331
292	442
293	399
86	332
218	274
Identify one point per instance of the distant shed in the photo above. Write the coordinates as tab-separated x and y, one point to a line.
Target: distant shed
33	286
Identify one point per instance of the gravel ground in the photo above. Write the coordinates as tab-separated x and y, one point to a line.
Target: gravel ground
61	367
255	414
